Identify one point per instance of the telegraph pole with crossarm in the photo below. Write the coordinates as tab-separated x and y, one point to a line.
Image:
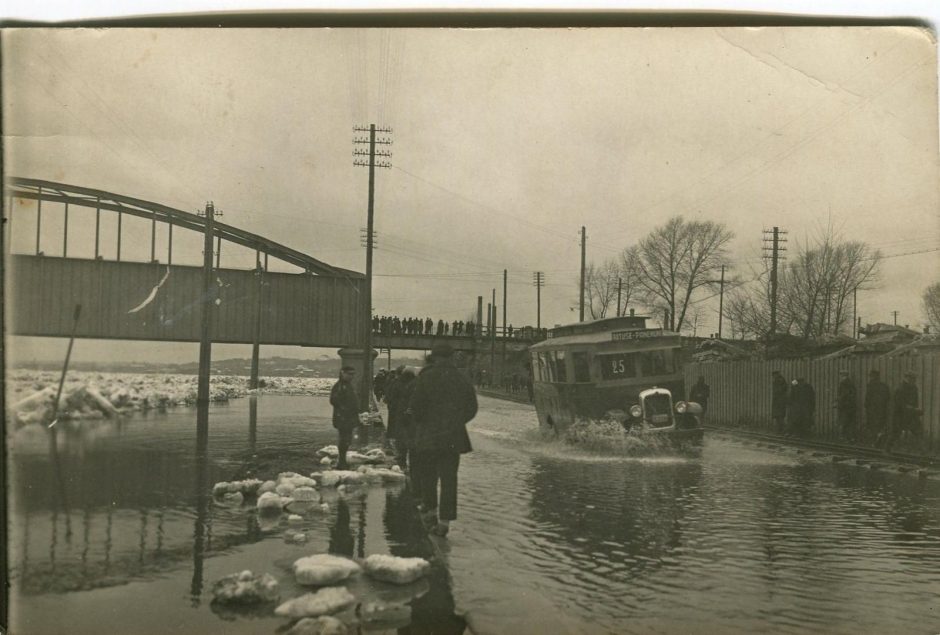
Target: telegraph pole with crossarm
360	160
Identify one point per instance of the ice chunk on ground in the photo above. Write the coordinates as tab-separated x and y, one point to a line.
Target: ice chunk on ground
324	569
298	537
294	519
381	474
245	588
323	625
284	489
394	569
236	498
267	486
323	602
306	495
332	478
326	461
356	457
328	450
269	502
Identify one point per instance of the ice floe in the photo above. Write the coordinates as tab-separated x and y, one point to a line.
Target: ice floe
323	602
269	502
246	588
324	569
323	625
394	569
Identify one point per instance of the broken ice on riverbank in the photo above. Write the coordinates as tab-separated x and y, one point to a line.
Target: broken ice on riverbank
94	395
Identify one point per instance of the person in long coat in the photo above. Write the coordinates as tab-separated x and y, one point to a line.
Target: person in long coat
877	397
779	398
443	402
400	424
802	407
846	407
345	404
906	409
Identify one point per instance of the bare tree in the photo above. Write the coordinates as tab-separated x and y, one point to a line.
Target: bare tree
931	300
675	260
600	289
815	290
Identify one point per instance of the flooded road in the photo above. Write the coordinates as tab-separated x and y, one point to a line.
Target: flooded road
548	540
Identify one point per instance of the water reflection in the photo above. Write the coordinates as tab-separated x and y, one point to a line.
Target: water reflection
623	515
341	538
201	495
433	612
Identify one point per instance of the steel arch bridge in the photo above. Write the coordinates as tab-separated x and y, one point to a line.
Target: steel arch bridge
154	300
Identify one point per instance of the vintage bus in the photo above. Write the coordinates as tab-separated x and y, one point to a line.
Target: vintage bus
613	368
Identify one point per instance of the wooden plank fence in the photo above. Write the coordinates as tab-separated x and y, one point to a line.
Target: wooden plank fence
741	391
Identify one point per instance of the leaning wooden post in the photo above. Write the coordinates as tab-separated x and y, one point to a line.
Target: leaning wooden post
256	340
205	340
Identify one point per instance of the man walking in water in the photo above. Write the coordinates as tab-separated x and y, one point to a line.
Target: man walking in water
345	404
442	404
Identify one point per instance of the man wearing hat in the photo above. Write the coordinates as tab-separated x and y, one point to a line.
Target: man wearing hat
906	409
442	404
345	404
877	396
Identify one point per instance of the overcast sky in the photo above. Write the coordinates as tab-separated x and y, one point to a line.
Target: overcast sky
506	142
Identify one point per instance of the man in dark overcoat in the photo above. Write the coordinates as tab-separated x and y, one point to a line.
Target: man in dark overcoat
442	404
877	397
345	404
802	407
906	409
700	393
780	393
846	407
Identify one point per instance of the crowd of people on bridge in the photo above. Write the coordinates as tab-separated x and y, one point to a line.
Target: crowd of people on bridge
394	325
793	409
428	410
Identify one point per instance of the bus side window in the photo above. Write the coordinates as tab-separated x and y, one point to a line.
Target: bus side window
653	363
582	370
561	372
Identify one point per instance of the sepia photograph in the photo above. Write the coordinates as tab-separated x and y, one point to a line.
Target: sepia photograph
481	327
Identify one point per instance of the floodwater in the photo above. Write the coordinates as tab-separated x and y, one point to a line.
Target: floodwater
548	540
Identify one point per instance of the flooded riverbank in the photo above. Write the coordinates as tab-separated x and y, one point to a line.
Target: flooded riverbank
548	539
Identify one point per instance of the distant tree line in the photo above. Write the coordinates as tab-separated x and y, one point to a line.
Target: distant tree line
678	265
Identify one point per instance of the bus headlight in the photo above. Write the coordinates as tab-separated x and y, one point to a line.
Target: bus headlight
635	411
681	407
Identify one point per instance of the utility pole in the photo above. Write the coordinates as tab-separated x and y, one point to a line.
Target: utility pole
895	313
493	339
478	331
205	339
583	253
721	299
371	153
505	276
538	279
775	250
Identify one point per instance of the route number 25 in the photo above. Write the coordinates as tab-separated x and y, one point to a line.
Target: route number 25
617	366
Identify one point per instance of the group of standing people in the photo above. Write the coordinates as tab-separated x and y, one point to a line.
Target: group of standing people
794	407
393	325
427	416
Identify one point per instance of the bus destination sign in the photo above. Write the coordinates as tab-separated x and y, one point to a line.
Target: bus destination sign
635	335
